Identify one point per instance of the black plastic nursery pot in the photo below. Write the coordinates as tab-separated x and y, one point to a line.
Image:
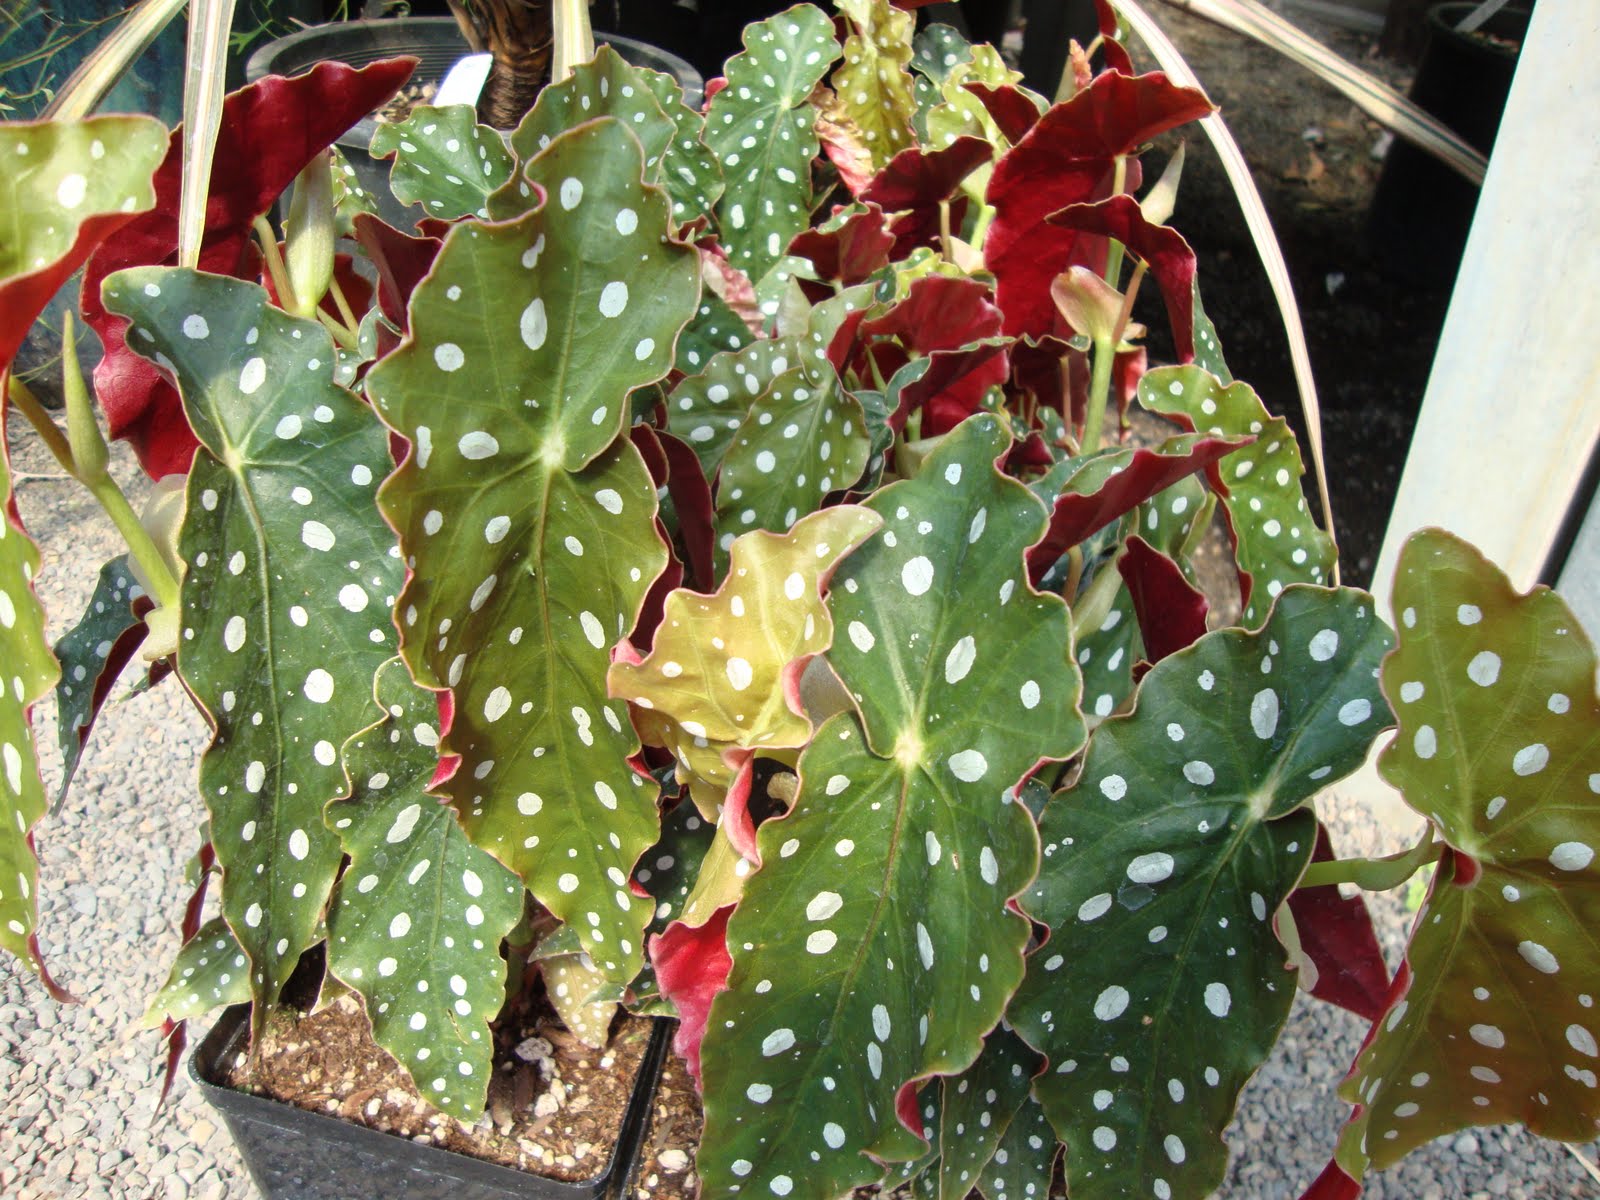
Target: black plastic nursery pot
1422	210
295	1154
437	43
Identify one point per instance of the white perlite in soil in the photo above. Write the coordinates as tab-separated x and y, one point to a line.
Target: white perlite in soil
79	1083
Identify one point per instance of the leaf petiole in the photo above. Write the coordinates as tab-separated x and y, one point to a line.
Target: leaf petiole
1375	874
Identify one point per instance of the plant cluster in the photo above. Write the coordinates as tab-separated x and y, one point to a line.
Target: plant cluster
704	558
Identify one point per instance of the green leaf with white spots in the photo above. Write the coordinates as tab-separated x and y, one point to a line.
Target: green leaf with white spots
939	49
605	87
350	199
1162	986
444	160
715	329
961	114
27	674
669	871
978	1107
1276	542
777	287
1207	347
761	130
872	85
800	442
582	996
85	654
210	972
1025	1162
706	410
689	170
962	678
531	524
291	575
722	681
420	913
1499	747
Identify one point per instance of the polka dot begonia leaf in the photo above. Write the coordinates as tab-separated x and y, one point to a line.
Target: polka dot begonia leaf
722	681
530	523
582	996
444	160
1025	1161
961	114
689	171
420	913
291	574
937	50
1207	349
962	677
715	328
979	1105
706	410
872	89
92	654
1494	1018
668	871
210	972
1162	985
67	186
760	128
350	199
606	87
1276	542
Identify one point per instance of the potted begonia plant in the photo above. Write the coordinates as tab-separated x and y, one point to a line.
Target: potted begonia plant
707	570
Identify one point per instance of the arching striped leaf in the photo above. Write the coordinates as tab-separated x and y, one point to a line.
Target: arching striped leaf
531	524
1162	985
291	575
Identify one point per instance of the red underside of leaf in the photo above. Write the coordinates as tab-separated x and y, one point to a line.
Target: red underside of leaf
1117	58
57	992
731	284
692	501
23	297
1010	107
1336	934
1170	609
1067	158
1076	517
914	182
269	131
119	656
736	812
401	262
1332	1184
692	966
176	1036
1169	257
849	254
907	1109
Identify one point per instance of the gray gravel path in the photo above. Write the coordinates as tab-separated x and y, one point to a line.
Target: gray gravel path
79	1084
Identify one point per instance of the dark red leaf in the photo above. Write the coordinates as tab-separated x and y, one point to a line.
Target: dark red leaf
647	440
692	501
692	966
1076	516
400	260
1170	609
1332	1184
938	313
915	181
1068	158
1012	109
955	384
175	1034
1337	936
1116	56
850	253
270	131
1168	256
23	297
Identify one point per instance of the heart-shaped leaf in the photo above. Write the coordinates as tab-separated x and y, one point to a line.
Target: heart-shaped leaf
1163	865
532	526
421	912
92	654
915	183
291	575
724	676
872	87
938	49
1492	1019
759	128
210	972
706	410
1275	540
444	160
961	675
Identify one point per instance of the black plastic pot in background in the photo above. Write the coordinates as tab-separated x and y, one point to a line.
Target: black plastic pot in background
294	1154
438	44
1422	210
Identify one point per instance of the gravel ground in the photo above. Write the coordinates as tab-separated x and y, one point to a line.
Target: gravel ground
79	1083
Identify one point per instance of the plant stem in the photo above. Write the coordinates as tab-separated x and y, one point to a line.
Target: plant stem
274	260
346	313
346	339
980	227
1105	352
944	231
103	488
1375	874
28	405
1126	313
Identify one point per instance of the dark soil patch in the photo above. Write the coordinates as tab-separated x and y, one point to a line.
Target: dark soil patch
554	1110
